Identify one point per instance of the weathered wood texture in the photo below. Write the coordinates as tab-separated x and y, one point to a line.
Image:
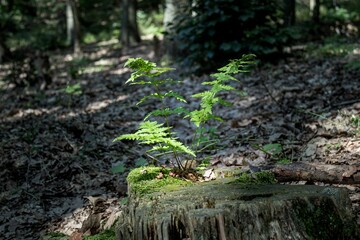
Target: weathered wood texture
326	173
220	210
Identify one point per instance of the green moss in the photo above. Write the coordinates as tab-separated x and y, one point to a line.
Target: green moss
263	177
152	179
283	161
323	221
108	234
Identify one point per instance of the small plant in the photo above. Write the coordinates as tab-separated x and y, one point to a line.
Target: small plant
353	65
275	151
355	122
77	67
72	90
160	135
263	177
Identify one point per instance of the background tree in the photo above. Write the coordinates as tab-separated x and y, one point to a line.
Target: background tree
73	25
315	10
289	12
129	26
173	9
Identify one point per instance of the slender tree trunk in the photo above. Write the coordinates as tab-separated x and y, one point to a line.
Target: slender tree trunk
73	26
69	24
7	6
315	10
289	12
129	27
172	9
3	51
169	14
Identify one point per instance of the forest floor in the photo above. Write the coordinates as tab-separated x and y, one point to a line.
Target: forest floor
56	151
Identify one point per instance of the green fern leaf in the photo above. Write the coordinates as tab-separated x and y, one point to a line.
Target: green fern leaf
221	87
143	68
222	77
153	133
167	112
239	65
176	96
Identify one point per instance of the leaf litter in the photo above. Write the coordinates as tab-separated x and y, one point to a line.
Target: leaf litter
56	151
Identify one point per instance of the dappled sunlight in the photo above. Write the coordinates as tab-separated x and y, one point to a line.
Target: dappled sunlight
18	114
64	102
95	106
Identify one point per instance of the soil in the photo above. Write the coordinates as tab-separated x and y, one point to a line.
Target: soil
57	153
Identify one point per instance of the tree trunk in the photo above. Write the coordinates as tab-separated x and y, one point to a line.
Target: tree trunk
169	14
172	10
315	10
69	24
223	209
73	25
4	50
289	12
8	7
129	27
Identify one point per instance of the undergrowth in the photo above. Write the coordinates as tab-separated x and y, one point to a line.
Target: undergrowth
160	135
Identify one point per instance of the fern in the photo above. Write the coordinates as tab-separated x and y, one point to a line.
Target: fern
153	133
161	96
167	112
219	84
159	135
144	68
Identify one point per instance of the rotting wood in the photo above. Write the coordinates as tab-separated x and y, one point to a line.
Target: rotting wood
239	212
326	173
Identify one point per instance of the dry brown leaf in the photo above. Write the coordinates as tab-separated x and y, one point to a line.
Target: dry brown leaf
76	236
352	170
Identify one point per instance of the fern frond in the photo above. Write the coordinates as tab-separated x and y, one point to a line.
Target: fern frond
221	87
140	64
173	145
239	65
143	68
175	95
167	112
225	103
151	132
222	77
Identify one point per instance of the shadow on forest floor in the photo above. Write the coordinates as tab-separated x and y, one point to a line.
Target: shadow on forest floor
56	149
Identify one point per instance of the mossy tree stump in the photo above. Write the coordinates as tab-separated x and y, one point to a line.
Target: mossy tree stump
223	209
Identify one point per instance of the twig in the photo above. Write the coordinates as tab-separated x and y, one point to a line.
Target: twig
271	96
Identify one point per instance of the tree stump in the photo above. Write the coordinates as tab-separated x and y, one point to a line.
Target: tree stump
223	209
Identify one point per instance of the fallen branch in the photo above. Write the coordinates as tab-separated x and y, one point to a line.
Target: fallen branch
326	173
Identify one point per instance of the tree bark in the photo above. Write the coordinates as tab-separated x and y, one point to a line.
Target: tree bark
289	12
8	7
223	209
129	27
335	174
73	25
172	10
315	10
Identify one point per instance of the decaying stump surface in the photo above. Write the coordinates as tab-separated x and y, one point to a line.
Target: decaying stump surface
223	210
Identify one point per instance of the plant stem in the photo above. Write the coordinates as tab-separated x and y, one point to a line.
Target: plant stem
176	157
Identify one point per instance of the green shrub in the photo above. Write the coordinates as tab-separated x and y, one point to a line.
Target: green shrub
212	31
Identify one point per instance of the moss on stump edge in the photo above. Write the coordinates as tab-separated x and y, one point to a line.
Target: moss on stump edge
224	207
145	180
